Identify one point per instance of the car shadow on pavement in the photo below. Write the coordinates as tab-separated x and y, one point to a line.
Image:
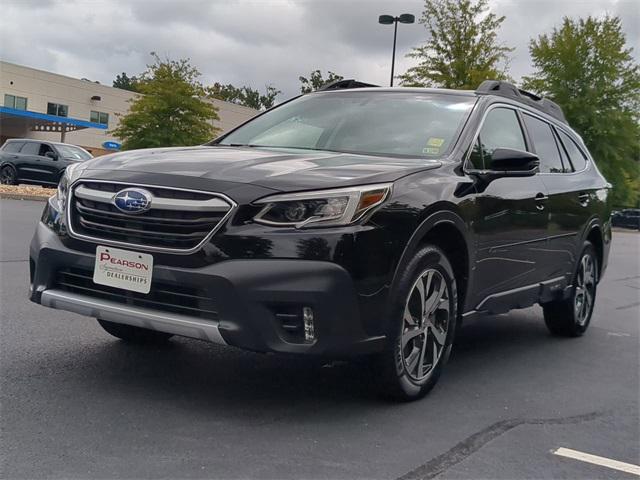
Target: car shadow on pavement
205	376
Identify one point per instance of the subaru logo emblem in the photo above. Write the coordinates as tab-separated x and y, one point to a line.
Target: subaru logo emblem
133	200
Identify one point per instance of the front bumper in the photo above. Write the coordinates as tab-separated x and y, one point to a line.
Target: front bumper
254	300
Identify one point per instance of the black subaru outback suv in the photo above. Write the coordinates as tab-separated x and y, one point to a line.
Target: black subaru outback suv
349	221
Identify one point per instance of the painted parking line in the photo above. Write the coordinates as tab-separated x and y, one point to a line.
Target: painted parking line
596	460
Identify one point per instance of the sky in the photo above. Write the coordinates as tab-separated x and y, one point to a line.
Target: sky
257	42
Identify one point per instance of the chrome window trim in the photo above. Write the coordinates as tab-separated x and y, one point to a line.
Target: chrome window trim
149	248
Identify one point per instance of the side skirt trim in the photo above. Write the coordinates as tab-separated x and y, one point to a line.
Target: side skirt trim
522	297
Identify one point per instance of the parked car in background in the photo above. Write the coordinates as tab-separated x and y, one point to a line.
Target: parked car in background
25	160
626	218
348	221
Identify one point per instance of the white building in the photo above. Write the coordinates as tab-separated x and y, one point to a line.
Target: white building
48	106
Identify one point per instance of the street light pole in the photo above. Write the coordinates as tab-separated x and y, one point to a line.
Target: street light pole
388	20
393	54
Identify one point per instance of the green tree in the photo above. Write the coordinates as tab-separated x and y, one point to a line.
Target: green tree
171	110
125	82
463	49
316	80
587	68
245	96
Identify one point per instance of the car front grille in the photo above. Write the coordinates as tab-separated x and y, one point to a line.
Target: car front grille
165	297
179	221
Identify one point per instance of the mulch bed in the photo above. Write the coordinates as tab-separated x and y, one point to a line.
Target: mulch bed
26	192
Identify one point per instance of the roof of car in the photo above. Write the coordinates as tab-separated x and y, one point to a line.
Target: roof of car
450	91
9	140
496	88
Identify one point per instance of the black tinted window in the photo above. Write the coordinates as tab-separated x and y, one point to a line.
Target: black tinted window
57	109
545	144
576	156
12	147
31	148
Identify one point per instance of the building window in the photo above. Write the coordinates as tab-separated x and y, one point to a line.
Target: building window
100	117
12	101
57	109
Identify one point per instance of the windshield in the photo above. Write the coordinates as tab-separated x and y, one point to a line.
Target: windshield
73	153
384	123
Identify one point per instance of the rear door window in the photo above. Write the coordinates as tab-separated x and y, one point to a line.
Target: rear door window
31	148
545	144
577	158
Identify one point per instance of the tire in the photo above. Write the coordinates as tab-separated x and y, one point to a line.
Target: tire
571	317
408	367
8	175
133	334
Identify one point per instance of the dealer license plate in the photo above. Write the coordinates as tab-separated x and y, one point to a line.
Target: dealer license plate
123	269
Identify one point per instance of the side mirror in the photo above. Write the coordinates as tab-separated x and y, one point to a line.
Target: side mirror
51	155
509	162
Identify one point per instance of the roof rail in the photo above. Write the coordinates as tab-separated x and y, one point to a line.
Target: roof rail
345	84
508	90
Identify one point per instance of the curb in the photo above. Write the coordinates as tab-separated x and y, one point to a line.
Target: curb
624	230
19	196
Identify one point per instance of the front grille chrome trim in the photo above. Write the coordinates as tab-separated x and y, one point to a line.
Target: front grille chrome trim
176	324
147	248
159	203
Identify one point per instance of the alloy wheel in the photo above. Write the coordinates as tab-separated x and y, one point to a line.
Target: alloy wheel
426	322
585	289
7	176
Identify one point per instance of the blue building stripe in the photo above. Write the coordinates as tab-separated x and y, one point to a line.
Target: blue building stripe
51	118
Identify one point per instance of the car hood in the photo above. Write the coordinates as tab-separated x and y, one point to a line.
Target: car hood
277	169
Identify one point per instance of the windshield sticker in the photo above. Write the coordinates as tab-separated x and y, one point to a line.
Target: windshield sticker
431	150
435	142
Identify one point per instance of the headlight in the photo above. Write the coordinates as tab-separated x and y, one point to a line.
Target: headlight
59	200
61	194
322	208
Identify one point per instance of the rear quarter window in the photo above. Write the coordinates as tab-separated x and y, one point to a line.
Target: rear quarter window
576	157
12	147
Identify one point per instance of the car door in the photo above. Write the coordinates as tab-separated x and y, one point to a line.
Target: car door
51	163
569	194
31	167
511	221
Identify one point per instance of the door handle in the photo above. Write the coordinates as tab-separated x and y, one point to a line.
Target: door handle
541	198
584	198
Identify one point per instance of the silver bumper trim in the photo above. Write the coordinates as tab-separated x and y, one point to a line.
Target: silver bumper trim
215	204
138	317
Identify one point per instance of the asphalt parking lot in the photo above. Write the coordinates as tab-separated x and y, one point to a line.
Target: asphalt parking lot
76	403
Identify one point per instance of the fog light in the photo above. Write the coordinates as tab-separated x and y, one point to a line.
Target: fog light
307	318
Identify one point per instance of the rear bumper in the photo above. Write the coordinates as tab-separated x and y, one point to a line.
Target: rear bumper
253	299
